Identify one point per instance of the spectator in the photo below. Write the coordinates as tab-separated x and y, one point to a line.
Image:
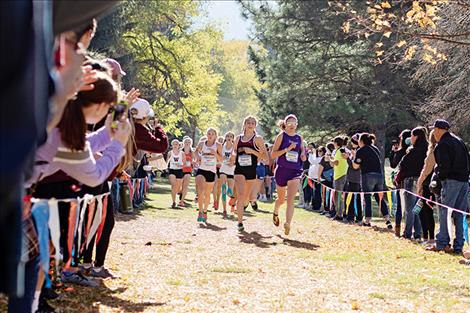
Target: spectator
353	183
325	174
367	158
427	215
398	152
453	169
340	170
314	160
410	169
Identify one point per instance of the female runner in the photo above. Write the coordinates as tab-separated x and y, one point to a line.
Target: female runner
227	170
217	185
248	148
187	168
175	164
210	152
290	151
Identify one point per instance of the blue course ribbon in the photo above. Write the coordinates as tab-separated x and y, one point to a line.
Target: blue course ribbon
465	229
40	213
355	204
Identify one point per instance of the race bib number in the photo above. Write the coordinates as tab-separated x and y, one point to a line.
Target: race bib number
292	156
176	162
188	163
244	160
208	160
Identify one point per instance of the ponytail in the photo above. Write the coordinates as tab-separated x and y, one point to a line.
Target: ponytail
366	138
281	124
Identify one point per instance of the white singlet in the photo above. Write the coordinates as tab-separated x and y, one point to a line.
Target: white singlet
208	161
176	161
226	154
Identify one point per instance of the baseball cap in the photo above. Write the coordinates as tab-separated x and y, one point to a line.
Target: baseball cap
142	109
115	67
441	124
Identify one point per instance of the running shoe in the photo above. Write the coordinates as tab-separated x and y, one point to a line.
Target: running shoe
78	278
199	217
276	220
389	224
173	205
204	217
254	206
232	201
286	229
224	215
240	227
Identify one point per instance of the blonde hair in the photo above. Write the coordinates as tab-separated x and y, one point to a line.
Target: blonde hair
249	117
128	157
211	129
432	142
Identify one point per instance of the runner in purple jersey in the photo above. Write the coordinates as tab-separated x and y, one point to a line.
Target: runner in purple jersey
290	151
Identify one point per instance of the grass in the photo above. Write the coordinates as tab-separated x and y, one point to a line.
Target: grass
323	266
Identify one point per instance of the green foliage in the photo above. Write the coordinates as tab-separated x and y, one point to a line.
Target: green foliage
165	58
330	81
236	94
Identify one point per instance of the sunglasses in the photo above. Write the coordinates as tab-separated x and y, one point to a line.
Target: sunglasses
291	123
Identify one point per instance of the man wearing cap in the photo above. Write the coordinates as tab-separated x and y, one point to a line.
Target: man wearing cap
453	169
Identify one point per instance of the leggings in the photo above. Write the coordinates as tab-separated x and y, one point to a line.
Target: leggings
426	216
102	244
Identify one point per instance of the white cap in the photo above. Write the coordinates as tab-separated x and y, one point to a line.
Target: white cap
142	107
151	113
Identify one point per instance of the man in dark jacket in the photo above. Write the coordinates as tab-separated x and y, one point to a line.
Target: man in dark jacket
453	169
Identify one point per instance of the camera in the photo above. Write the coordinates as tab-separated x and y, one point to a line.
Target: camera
118	110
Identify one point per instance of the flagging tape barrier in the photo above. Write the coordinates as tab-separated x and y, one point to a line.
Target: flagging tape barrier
45	213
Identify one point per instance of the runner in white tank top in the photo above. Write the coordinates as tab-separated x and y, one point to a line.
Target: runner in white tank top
175	165
210	153
227	171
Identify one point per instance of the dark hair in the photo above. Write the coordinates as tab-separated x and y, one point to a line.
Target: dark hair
90	26
341	141
313	145
403	135
422	135
330	146
321	149
73	126
99	66
366	138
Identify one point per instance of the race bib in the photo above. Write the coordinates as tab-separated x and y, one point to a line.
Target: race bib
292	156
208	160
244	160
188	163
176	162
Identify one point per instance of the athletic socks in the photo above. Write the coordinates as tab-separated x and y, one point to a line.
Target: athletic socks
224	192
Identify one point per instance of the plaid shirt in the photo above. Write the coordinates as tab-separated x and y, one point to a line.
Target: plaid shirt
30	237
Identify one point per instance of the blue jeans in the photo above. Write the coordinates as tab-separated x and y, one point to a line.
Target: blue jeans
398	214
454	194
411	220
23	304
373	182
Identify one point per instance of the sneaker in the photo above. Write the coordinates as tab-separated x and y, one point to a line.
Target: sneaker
286	229
224	214
173	205
199	217
366	224
337	218
300	206
389	224
240	227
204	217
101	272
232	201
254	206
78	278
